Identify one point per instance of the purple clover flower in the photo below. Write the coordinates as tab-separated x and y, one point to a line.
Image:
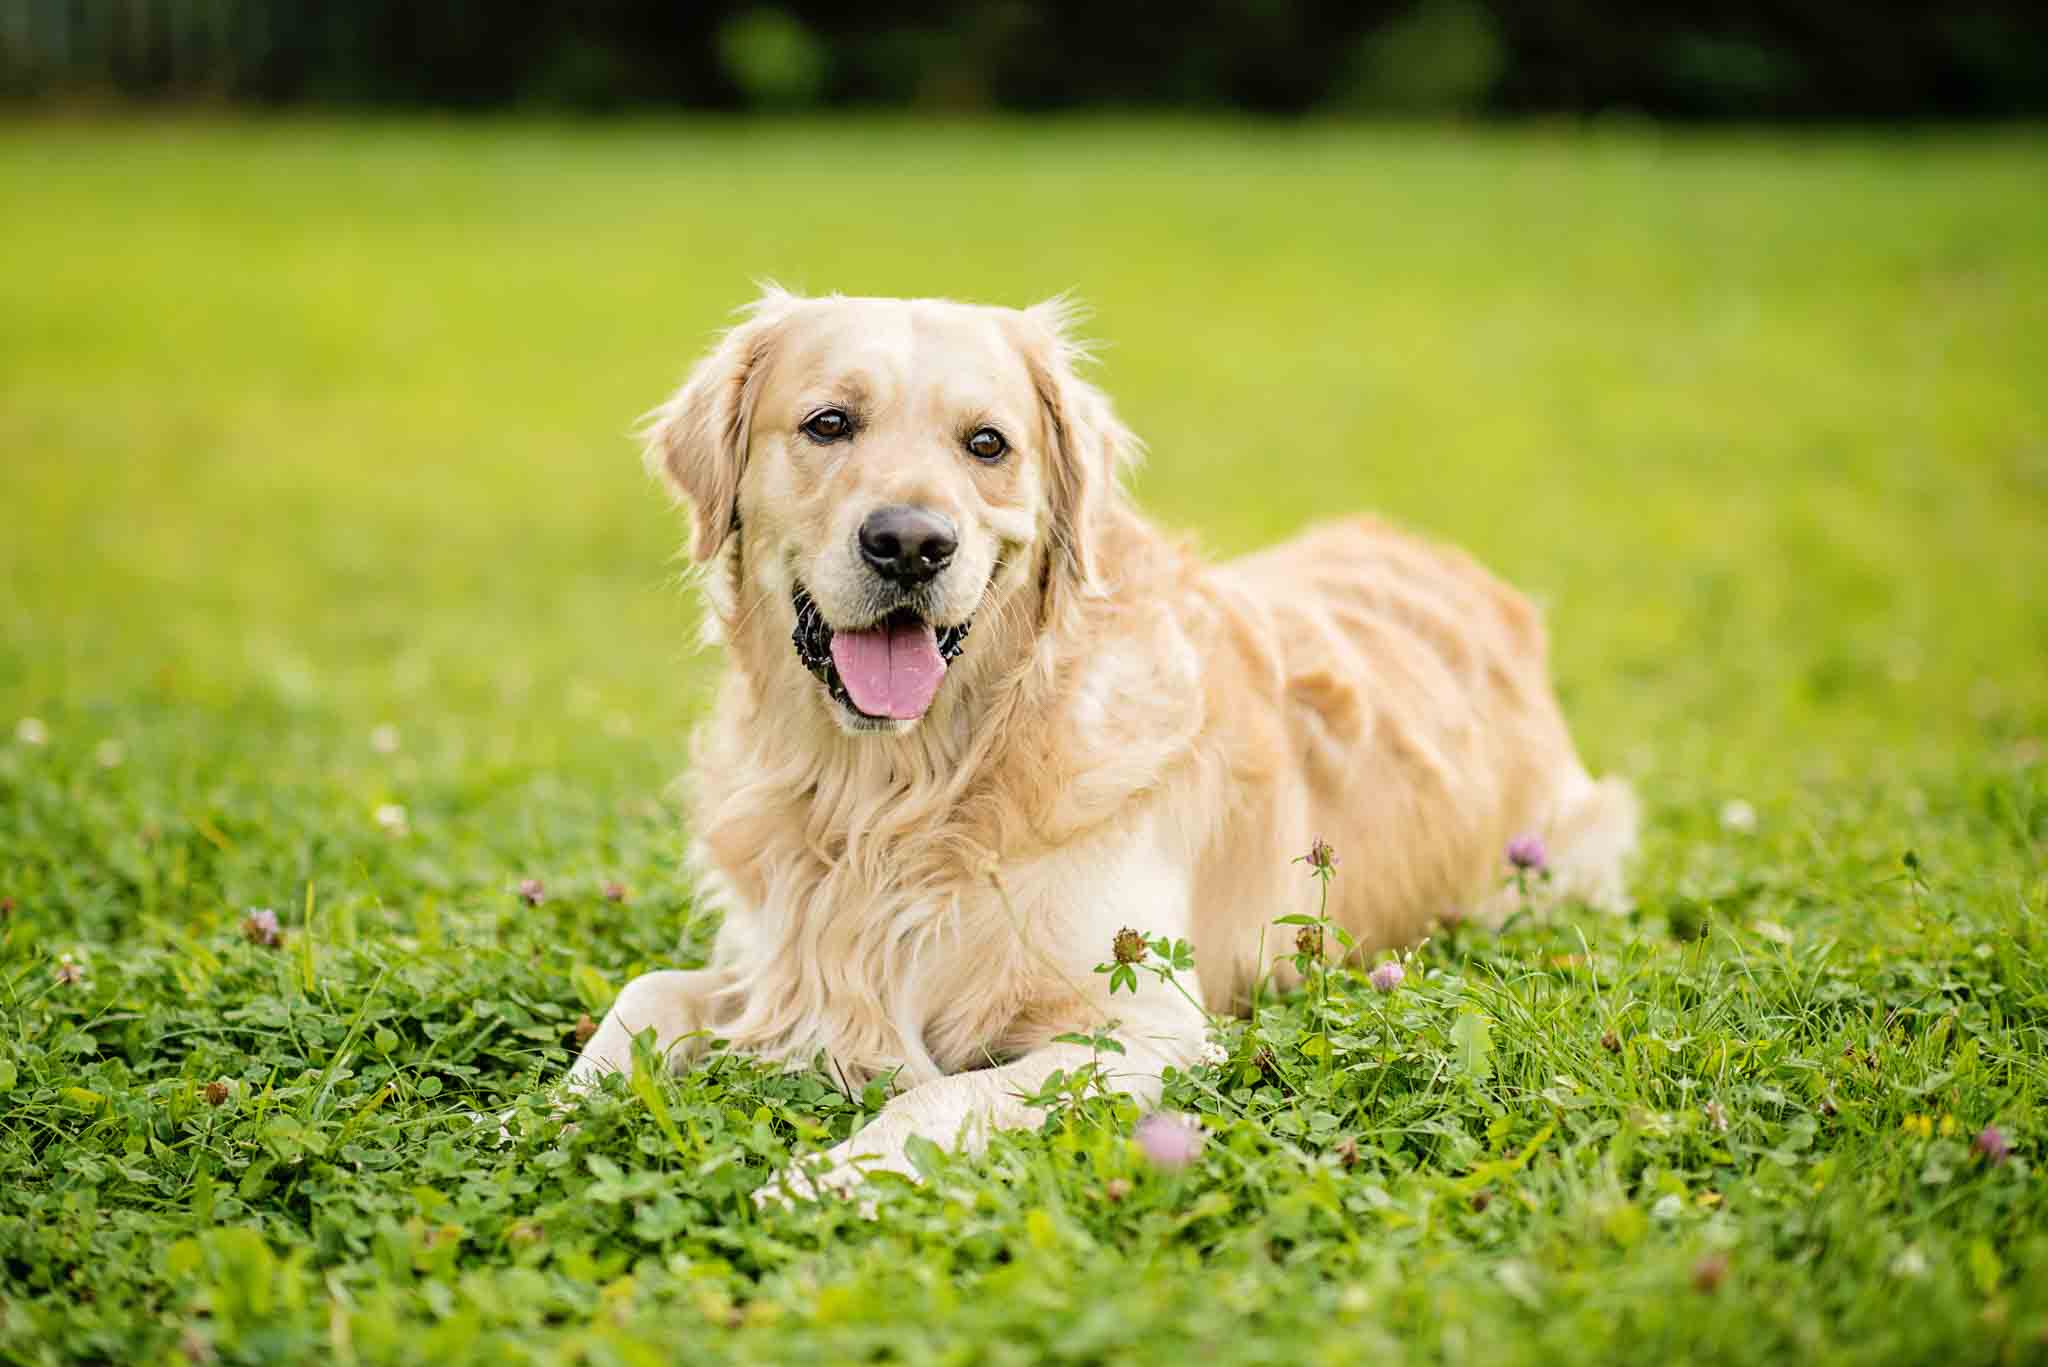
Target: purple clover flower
1168	1139
1526	853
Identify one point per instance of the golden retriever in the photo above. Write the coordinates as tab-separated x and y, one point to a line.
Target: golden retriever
979	715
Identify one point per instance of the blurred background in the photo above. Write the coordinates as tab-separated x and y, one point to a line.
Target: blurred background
1732	59
1723	329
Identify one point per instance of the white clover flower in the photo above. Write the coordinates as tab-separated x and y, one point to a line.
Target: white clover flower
1737	817
31	731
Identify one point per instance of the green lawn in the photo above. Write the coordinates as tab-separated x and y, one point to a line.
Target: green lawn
312	429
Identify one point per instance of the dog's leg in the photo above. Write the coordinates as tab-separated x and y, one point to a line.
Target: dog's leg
678	1005
962	1110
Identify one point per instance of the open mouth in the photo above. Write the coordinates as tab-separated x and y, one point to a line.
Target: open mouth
889	670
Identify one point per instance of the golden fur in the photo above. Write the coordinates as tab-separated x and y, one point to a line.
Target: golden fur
1133	736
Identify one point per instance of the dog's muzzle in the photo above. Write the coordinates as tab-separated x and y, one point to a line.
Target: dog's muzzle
898	692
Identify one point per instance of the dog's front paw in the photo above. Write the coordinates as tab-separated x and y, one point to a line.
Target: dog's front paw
503	1121
793	1184
836	1173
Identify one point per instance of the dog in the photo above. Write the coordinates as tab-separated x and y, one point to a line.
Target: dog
979	715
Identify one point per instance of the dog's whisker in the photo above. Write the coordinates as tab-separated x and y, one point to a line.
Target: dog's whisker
740	624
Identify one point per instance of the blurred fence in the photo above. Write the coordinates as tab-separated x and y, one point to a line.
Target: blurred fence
1729	58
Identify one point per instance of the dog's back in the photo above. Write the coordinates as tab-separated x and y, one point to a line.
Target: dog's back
1393	698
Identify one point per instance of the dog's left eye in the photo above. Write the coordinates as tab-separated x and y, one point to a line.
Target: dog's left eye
829	425
988	444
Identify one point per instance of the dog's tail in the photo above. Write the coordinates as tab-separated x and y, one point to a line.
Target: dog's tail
1592	833
1588	832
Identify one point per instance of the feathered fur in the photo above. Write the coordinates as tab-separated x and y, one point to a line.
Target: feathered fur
1134	736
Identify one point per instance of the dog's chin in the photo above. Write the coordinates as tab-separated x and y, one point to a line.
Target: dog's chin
812	639
852	721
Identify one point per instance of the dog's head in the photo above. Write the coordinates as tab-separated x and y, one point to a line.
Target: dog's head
877	476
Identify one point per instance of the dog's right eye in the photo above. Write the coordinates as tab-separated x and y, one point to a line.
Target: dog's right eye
830	425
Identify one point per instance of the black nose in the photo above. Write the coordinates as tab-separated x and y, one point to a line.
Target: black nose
907	545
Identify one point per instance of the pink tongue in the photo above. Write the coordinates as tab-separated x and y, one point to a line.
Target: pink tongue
890	670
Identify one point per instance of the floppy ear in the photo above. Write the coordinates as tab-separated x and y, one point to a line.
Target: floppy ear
1091	448
697	441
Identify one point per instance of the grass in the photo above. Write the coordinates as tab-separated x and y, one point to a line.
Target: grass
308	429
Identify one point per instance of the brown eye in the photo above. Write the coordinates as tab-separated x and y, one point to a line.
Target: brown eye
988	444
828	425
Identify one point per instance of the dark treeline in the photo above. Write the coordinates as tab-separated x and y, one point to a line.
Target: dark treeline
1728	59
